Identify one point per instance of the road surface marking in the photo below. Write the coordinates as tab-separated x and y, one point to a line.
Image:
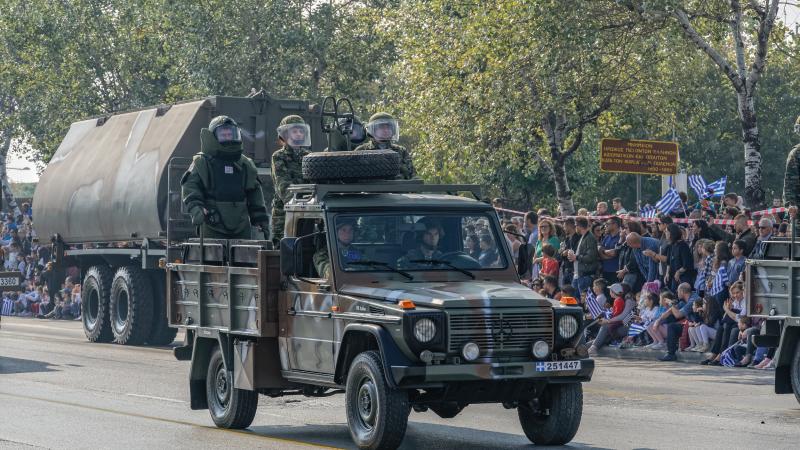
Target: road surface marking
156	398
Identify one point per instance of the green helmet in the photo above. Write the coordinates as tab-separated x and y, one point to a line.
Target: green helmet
226	130
352	127
294	132
382	127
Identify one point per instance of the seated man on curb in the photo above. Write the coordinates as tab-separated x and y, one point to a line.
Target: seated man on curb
678	312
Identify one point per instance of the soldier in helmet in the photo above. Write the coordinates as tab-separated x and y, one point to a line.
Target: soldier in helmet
384	132
791	180
295	135
221	189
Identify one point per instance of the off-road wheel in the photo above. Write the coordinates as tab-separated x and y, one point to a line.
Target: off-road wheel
95	292
161	333
131	306
361	165
377	414
229	407
795	372
564	403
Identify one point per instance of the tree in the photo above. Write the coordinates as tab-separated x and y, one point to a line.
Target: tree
522	81
728	31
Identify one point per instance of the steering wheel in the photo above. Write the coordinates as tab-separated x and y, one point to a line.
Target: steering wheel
462	259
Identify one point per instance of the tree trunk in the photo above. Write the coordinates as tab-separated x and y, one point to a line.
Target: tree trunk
563	194
753	192
9	203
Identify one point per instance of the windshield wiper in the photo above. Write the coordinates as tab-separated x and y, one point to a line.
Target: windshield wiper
370	263
444	263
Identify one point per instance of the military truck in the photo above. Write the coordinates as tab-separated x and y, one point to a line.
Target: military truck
406	319
773	293
105	198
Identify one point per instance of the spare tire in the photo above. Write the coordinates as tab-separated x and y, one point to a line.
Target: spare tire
360	165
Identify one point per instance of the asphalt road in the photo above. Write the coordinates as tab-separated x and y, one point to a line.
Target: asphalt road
59	391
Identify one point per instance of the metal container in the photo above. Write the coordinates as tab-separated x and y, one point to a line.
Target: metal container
108	179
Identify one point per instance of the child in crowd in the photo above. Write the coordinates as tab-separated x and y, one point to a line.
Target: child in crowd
657	330
695	320
548	262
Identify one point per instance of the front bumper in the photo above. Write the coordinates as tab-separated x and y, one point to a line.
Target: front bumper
440	373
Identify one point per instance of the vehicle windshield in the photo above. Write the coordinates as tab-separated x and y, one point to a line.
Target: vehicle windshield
409	242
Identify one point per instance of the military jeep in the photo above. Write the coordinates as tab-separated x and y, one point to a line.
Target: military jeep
409	317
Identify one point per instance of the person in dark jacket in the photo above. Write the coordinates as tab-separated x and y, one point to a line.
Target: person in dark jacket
586	258
680	265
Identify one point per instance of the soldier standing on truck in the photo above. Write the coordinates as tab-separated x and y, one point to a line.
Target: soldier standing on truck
221	189
384	132
295	135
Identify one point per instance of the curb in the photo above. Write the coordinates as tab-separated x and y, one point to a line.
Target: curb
650	355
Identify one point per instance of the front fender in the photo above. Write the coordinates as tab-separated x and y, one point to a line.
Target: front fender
353	342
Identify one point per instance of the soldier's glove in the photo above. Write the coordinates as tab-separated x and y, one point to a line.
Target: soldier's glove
198	217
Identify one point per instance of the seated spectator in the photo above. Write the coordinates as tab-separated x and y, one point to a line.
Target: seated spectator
695	320
736	263
658	328
548	263
615	327
728	330
679	313
645	317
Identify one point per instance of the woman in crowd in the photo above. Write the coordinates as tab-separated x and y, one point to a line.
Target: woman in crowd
707	330
701	230
680	265
489	254
547	235
705	250
514	241
717	284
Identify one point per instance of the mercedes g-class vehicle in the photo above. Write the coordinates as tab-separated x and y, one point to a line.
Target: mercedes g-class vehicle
374	293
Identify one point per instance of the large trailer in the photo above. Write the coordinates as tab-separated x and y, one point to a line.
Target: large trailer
773	293
109	199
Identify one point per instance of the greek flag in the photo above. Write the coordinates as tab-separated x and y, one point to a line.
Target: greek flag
636	329
594	308
648	212
727	358
669	202
8	306
720	281
698	185
718	187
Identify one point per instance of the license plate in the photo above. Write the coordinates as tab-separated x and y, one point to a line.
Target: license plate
555	366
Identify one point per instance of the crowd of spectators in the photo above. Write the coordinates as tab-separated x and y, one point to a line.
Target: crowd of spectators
43	291
675	287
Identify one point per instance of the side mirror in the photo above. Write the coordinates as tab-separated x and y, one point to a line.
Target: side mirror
288	257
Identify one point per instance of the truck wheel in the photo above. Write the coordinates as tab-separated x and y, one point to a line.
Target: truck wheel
361	165
377	414
161	334
131	306
795	371
229	407
564	403
96	290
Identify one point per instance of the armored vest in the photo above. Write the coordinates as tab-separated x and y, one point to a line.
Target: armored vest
227	181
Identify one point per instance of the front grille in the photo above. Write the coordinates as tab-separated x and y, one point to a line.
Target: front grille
500	332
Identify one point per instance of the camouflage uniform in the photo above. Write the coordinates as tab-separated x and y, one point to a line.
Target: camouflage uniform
225	184
791	180
286	170
407	171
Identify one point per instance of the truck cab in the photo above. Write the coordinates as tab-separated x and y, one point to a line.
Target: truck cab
404	316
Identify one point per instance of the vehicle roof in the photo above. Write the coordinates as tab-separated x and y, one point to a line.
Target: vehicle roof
444	202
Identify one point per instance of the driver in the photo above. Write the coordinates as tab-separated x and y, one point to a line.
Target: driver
345	229
428	248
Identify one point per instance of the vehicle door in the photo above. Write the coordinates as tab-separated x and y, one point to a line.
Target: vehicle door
310	301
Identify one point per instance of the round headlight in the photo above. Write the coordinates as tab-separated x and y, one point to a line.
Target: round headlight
470	351
424	330
540	349
567	326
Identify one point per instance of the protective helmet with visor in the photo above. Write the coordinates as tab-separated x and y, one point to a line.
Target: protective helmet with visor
295	132
225	130
383	128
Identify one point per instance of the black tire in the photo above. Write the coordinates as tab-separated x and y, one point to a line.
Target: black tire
361	165
795	372
229	407
377	414
131	306
565	404
161	333
95	292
